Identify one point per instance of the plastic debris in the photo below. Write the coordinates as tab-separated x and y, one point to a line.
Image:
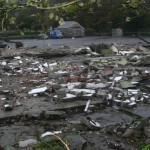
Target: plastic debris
38	90
4	63
8	107
17	57
118	78
95	124
87	106
90	123
50	133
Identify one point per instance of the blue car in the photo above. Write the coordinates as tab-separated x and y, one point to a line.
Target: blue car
55	34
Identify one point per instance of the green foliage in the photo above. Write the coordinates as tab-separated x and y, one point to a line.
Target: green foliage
53	145
138	6
12	20
47	145
92	14
11	2
10	5
145	147
89	31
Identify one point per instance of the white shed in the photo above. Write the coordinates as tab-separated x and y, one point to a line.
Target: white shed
72	29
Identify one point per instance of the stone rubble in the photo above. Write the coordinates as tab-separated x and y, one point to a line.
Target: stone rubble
46	89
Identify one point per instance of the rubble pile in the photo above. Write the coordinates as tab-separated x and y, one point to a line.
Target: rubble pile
41	89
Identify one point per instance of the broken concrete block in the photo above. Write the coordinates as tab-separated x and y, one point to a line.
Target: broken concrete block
55	114
19	44
34	114
66	97
101	93
135	73
147	141
38	90
27	142
106	52
74	84
95	86
126	84
129	133
54	76
9	148
123	61
132	104
85	91
107	72
75	142
62	73
136	127
104	61
144	49
61	93
82	50
114	49
147	131
69	96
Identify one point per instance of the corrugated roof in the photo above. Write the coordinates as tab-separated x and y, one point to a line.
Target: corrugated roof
69	24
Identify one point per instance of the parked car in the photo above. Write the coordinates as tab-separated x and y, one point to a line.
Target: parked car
3	44
55	34
42	36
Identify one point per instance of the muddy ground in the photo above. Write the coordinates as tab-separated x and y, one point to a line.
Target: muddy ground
23	114
74	43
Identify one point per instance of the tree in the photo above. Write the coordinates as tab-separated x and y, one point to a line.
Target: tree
98	16
8	5
110	12
139	7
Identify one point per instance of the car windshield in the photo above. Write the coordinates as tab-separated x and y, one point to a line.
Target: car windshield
57	31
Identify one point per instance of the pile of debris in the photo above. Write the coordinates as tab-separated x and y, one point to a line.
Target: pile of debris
109	77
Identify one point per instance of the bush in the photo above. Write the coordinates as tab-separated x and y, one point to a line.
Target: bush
89	31
145	147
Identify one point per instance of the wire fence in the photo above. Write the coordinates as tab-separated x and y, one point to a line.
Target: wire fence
142	32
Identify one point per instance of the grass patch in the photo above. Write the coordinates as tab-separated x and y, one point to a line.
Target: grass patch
57	144
145	147
53	145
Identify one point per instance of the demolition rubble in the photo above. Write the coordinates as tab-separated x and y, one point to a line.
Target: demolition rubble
98	98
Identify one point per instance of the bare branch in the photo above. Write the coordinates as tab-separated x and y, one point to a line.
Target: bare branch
67	148
56	6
